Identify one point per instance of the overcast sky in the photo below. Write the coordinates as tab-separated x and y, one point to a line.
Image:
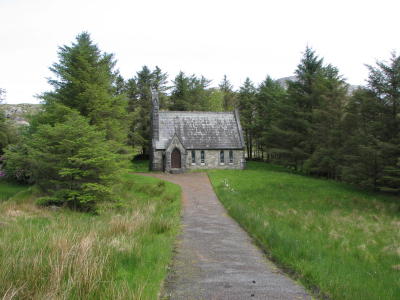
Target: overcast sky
247	38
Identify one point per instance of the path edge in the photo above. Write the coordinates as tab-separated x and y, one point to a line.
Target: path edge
313	290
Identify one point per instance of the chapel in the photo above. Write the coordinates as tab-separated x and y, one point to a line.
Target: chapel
186	140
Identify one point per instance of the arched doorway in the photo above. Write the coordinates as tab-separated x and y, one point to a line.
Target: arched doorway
176	159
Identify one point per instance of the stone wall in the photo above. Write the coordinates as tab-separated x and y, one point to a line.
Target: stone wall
157	161
212	160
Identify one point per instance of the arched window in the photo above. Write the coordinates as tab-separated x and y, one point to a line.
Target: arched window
202	156
193	157
222	157
230	156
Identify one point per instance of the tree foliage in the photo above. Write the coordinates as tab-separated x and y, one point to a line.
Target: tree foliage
85	80
246	103
312	124
374	122
138	90
69	148
71	161
192	93
229	101
315	126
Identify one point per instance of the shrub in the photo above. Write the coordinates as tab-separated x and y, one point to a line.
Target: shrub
71	161
17	163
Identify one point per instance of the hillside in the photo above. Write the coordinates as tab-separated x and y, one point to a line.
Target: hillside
19	113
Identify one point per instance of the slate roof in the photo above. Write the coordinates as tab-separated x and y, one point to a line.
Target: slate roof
200	130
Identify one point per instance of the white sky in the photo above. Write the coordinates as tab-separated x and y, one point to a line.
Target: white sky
238	38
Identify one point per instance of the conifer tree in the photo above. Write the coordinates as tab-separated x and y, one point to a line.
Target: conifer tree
363	159
139	104
326	128
306	131
180	94
69	149
229	96
384	82
191	93
71	161
246	101
270	95
379	110
85	81
305	97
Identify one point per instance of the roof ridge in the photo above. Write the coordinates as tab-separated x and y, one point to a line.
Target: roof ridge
196	112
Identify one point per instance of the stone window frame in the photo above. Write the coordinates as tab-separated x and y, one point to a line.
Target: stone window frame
222	157
193	158
202	157
230	156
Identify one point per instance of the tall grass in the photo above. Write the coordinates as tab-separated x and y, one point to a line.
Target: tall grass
334	238
120	253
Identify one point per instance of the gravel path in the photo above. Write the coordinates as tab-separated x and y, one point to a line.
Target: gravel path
215	257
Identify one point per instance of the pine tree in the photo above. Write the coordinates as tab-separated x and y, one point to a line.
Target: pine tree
363	157
283	137
229	100
69	149
292	131
246	101
119	85
71	161
390	181
373	130
216	100
139	104
180	92
190	93
384	83
270	95
326	128
305	98
306	130
85	81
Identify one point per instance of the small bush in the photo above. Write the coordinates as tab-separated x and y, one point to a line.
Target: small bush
48	201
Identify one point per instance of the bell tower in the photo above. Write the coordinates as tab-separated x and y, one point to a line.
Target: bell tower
155	130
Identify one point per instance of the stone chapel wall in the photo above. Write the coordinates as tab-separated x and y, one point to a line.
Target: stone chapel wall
212	160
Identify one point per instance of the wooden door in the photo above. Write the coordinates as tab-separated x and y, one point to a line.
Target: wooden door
176	159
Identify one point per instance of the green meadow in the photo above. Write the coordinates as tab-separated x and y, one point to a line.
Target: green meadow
339	241
122	252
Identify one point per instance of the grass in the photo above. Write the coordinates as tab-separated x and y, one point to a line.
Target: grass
8	189
341	242
140	166
121	253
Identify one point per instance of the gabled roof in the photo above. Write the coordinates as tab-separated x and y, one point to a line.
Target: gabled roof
200	130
